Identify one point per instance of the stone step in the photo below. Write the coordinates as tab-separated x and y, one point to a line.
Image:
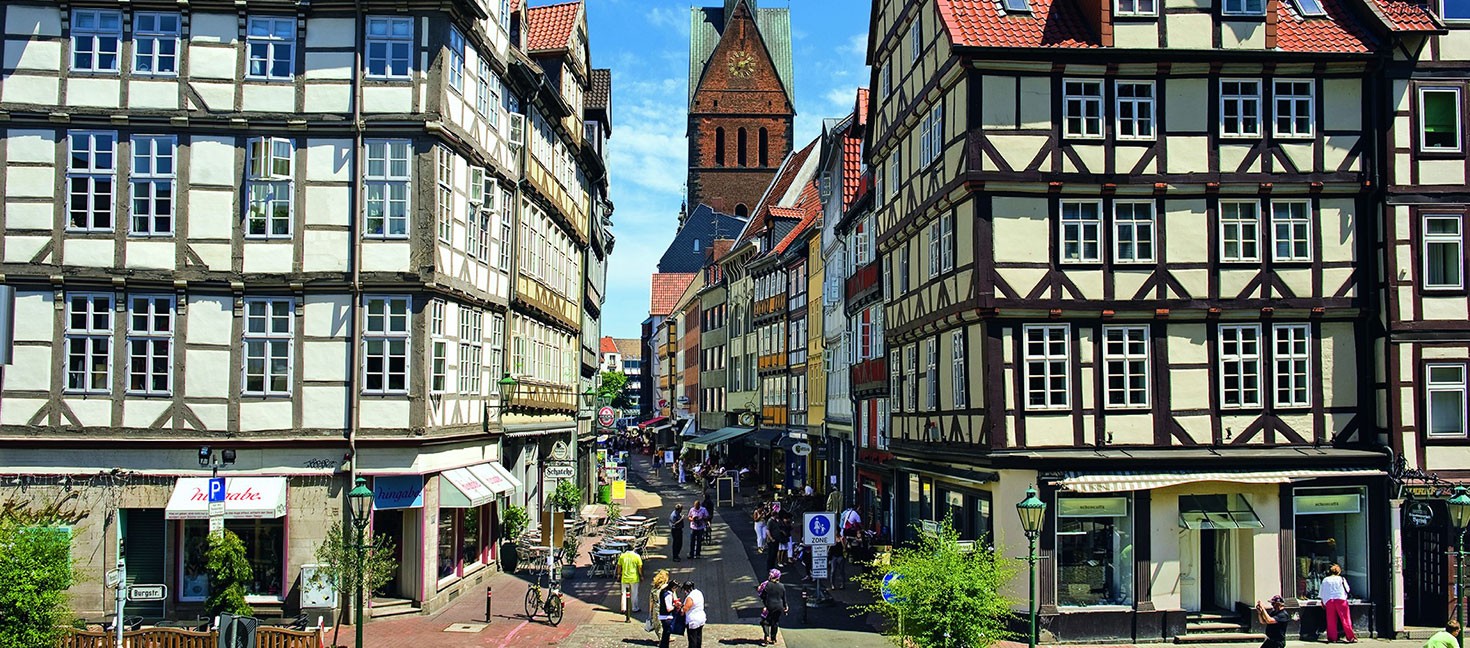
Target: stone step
1194	627
1219	637
386	607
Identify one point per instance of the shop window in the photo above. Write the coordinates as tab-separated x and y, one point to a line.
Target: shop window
265	542
1094	551
446	542
470	547
1439	120
1331	528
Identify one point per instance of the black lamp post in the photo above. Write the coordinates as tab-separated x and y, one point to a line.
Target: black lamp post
1460	516
1033	512
362	506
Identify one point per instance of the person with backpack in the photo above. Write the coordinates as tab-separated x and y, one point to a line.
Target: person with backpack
773	598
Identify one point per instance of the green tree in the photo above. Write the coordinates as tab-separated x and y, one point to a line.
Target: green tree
229	571
35	566
611	391
567	497
948	595
337	557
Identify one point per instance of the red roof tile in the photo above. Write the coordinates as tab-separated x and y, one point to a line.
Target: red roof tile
668	287
784	177
550	26
1406	16
862	107
852	166
608	345
810	207
515	5
982	23
1338	31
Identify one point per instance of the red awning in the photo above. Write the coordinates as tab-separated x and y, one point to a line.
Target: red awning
657	420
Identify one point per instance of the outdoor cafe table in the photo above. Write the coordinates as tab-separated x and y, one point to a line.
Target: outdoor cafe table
613	544
634	518
624	538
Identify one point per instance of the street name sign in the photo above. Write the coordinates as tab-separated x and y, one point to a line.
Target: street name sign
561	471
147	592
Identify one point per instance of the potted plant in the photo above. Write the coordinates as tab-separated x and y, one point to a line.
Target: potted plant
513	522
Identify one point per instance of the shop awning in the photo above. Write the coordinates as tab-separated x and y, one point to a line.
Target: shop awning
1116	482
764	437
691	428
495	476
722	435
245	498
459	488
398	492
657	420
1217	512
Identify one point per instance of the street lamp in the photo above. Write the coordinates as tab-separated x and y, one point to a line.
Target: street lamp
1460	516
1032	511
362	505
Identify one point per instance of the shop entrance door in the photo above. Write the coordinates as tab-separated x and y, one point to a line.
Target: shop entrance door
390	523
144	547
1426	574
1215	588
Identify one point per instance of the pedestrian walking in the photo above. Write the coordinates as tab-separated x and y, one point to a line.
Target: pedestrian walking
698	528
676	531
1275	620
1334	595
770	544
694	616
1447	638
773	597
759	516
667	606
630	573
837	565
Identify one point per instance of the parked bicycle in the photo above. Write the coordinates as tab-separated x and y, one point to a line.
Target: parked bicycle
551	603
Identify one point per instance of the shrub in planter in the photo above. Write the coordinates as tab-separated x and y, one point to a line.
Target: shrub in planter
513	522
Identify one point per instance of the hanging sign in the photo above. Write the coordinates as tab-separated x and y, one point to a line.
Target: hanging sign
1420	514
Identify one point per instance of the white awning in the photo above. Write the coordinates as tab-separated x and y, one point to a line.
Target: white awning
463	490
245	498
492	475
1116	482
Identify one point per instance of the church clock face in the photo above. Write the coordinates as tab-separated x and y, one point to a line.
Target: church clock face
742	64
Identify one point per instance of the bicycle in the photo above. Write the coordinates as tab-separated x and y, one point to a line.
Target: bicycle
551	604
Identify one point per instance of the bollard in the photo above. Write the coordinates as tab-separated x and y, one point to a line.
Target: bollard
627	597
489	597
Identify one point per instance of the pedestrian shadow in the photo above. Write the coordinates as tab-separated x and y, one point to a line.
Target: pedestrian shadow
640	642
741	642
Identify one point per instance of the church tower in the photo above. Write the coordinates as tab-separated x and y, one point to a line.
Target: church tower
741	103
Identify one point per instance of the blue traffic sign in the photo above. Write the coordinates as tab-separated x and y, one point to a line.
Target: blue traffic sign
888	596
216	489
819	525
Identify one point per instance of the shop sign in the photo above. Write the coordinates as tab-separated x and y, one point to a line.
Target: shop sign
61	511
560	451
1420	514
1092	507
1325	504
398	492
801	449
561	471
606	416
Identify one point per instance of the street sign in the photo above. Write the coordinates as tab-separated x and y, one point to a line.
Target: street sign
606	416
820	528
216	490
819	566
561	471
560	451
114	577
888	596
801	449
820	551
216	525
147	592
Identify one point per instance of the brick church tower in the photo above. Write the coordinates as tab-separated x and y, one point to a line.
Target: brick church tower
741	103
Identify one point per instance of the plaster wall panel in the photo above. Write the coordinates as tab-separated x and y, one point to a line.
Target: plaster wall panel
222	28
1447	458
1442	172
213	97
30	182
207	62
21	249
1342	106
1445	308
150	254
328	316
1334	278
1403	167
328	98
1048	429
1186	101
1035	102
211	321
18	411
1338	223
1183	222
268	257
327	206
34	313
41	56
1300	154
273	98
1025	219
328	407
385	413
1186	154
1091	155
216	256
1232	282
28	145
1242	34
1018	150
331	32
1189	31
322	361
142	412
1131	429
1335	150
211	213
205	147
1187	344
1454	46
328	160
325	251
159	95
1139	35
35	367
93	411
1090	283
998	110
385	256
93	253
387	99
1127	157
329	65
1340	364
260	415
32	20
1128	281
1232	154
30	89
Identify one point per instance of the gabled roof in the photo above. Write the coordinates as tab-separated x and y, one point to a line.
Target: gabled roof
852	165
1338	31
689	251
983	23
550	27
778	193
599	95
630	348
1405	16
706	24
862	107
810	208
607	345
668	287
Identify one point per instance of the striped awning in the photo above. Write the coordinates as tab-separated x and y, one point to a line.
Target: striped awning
722	435
1117	482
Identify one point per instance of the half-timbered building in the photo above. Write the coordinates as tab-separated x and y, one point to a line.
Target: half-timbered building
287	233
1122	245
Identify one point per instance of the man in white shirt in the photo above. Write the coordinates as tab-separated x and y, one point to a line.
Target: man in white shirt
694	616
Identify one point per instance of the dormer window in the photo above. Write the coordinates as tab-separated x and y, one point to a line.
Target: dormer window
1019	6
1245	7
1310	8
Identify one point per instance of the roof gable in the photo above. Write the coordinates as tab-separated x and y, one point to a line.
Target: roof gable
707	25
689	251
983	23
550	27
1338	31
667	288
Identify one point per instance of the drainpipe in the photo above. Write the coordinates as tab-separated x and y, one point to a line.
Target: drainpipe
355	254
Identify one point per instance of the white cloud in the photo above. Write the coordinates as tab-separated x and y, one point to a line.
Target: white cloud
671	18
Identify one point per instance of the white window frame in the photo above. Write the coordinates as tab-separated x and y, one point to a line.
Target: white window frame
507	229
1240	100
97	35
270	40
392	187
1080	230
959	381
392	38
1243	8
1291	224
1459	120
911	383
273	310
151	326
931	373
439	348
454	60
1310	8
471	348
1135	112
89	339
1296	108
1432	239
1047	365
885	78
152	35
444	173
91	177
1237	358
1137	232
1135	8
1291	358
916	39
390	326
483	104
1125	359
1433	386
932	140
268	184
1077	102
153	183
497	350
1234	226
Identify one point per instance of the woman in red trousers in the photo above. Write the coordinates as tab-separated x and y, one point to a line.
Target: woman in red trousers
1334	595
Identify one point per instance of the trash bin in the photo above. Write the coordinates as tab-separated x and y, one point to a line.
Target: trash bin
604	494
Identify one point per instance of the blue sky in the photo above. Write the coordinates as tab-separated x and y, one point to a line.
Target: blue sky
646	43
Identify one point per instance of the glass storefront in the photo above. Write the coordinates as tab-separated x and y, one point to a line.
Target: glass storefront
1331	528
462	536
447	566
1094	551
265	542
470	548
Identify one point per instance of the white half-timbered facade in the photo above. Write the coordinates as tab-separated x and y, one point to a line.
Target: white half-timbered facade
287	231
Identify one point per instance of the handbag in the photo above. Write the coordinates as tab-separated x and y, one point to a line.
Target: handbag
649	626
678	625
